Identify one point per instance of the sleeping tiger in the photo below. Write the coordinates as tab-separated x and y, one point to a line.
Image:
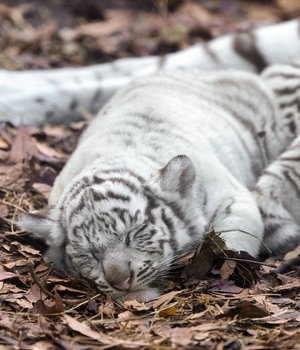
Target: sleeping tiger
176	152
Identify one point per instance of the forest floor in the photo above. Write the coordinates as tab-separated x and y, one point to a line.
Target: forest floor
221	300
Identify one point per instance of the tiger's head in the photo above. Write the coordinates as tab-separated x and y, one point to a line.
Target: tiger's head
121	230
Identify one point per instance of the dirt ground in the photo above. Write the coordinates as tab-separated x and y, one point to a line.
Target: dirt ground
229	302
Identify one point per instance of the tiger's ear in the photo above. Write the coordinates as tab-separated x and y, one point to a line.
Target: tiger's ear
41	225
178	175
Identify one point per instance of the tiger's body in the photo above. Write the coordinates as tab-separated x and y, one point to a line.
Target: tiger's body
171	156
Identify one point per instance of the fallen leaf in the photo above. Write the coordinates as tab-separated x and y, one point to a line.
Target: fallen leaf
292	254
178	336
290	6
170	311
4	275
224	287
99	336
23	146
246	309
164	299
227	269
3	211
42	188
4	144
41	308
136	305
49	151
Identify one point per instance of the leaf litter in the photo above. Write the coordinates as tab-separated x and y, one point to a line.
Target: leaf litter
216	298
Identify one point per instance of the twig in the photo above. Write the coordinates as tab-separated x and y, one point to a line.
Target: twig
38	282
246	260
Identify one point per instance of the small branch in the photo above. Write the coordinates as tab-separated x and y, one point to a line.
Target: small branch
248	261
39	284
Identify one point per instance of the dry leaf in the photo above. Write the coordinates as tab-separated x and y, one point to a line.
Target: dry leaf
42	188
246	309
178	336
227	269
163	299
170	311
292	254
23	146
99	336
290	6
4	275
3	211
4	144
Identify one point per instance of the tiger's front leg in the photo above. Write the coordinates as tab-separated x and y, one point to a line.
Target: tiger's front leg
239	221
277	194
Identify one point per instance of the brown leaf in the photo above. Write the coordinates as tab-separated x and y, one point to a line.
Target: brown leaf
50	151
289	6
163	299
178	336
4	275
42	188
99	336
4	144
43	309
266	304
3	211
224	287
200	265
292	254
136	305
170	311
30	36
246	309
34	294
23	146
286	287
227	269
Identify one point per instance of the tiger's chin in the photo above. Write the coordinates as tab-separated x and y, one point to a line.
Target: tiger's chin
140	295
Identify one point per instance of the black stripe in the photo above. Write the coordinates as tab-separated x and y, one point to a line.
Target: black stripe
291	169
283	75
146	274
73	105
111	221
141	272
291	103
270	229
292	127
270	173
124	171
139	231
121	213
117	196
171	228
98	196
124	182
245	45
96	96
286	90
293	184
292	159
210	52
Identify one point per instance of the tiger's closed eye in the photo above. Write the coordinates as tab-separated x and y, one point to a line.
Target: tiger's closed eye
128	239
96	254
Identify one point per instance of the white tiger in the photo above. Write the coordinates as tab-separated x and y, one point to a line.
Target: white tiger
171	156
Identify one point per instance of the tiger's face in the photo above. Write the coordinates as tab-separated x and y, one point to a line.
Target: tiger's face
121	232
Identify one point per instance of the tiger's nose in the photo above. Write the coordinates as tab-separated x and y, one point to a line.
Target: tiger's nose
120	277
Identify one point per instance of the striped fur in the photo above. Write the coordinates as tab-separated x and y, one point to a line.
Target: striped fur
59	95
172	156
